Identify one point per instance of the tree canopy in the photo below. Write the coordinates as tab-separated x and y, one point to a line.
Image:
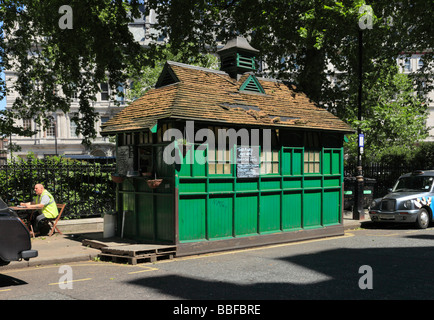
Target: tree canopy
73	48
299	41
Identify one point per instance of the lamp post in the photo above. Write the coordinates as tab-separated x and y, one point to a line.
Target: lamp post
358	211
54	122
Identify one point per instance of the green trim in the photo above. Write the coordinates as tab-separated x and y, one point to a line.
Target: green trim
252	85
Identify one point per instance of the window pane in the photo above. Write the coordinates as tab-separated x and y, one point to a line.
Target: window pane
275	155
219	168
227	168
211	168
275	167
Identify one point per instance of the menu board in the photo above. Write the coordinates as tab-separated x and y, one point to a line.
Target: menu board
247	162
124	159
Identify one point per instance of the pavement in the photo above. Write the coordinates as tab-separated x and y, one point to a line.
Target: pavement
73	246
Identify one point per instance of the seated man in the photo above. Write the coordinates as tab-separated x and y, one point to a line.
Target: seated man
44	202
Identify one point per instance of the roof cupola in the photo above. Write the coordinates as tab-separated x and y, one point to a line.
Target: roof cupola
238	57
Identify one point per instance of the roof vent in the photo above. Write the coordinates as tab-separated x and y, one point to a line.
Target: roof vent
166	77
252	85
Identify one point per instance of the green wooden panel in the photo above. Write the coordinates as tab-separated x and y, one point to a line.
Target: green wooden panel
336	162
130	226
270	184
332	161
312	182
192	186
311	209
164	217
220	217
286	161
246	185
199	162
183	169
297	163
269	218
246	215
162	168
294	183
191	215
331	207
332	182
145	217
220	185
291	210
326	165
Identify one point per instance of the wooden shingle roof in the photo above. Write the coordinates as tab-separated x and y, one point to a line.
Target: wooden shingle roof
212	96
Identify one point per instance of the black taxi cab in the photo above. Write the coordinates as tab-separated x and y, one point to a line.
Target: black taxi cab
15	242
411	200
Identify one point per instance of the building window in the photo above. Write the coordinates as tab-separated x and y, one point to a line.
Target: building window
219	161
407	65
73	128
104	91
419	64
311	161
161	130
312	153
27	124
120	96
51	130
104	120
270	162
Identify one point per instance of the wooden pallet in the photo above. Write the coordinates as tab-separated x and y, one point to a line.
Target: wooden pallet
137	253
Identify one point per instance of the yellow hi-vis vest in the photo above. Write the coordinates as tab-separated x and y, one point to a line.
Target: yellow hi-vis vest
50	210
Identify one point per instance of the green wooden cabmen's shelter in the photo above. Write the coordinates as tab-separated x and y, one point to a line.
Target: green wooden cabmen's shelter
207	188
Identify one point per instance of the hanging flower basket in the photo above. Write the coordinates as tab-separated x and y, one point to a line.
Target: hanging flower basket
117	178
154	183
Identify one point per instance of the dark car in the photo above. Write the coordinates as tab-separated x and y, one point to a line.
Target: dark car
410	200
15	243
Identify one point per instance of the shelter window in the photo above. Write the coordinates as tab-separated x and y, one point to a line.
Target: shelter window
312	161
312	153
161	130
145	137
270	162
219	161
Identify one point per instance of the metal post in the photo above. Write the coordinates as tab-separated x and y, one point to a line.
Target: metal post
358	211
55	136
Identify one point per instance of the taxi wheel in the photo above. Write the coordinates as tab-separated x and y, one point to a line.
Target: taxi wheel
423	219
3	263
